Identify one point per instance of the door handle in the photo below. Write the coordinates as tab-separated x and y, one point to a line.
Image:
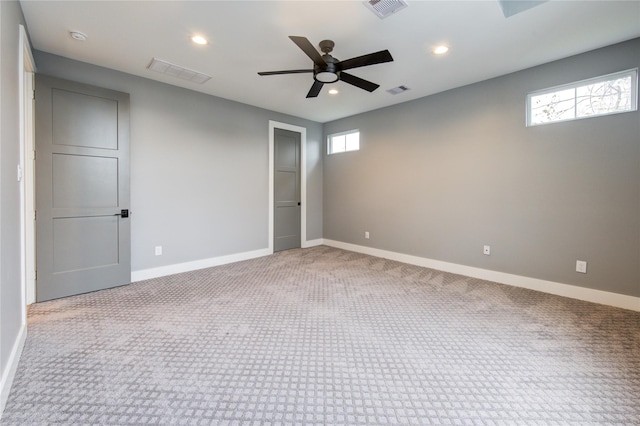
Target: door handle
298	202
123	213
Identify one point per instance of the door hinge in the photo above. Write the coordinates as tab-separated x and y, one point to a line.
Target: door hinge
34	94
35	215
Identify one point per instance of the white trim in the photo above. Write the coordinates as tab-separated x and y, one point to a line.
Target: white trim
12	366
559	289
26	67
161	271
312	243
303	179
25	55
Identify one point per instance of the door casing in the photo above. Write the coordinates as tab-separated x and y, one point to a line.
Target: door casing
27	169
303	180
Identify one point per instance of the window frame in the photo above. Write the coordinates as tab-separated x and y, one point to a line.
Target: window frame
345	133
633	73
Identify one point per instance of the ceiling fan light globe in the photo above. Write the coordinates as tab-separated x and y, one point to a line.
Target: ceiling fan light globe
326	77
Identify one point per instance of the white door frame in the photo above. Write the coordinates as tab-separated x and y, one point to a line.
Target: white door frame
303	179
26	172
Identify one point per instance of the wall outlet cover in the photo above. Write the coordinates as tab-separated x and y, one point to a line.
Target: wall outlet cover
581	266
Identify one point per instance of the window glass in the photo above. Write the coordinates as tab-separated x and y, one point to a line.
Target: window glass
352	142
604	97
610	94
554	106
342	142
338	143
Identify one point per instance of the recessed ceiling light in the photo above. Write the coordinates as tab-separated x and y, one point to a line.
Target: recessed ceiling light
333	91
77	35
440	50
197	39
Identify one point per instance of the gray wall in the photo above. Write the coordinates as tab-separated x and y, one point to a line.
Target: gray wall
199	168
10	267
441	176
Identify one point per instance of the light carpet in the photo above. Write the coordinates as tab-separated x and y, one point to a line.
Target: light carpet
324	336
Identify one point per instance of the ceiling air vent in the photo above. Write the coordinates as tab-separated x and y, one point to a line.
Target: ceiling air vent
384	8
164	67
513	7
398	89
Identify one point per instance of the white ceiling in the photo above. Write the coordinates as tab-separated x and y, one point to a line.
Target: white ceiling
250	36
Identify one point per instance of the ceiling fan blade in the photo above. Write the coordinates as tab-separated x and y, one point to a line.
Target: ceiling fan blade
306	46
364	60
283	72
358	82
315	89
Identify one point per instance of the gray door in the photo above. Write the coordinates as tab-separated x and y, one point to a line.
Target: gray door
82	188
286	190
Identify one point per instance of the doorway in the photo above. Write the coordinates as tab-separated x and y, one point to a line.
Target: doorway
287	204
301	237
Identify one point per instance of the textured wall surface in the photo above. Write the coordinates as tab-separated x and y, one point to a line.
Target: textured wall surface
199	168
442	176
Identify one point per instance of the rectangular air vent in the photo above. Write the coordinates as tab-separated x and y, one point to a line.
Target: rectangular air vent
385	8
164	67
513	7
398	89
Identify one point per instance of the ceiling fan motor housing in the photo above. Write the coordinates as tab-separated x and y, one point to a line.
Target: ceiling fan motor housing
329	73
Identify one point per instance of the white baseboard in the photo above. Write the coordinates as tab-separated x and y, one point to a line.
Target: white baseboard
161	271
551	287
559	289
12	365
312	243
178	268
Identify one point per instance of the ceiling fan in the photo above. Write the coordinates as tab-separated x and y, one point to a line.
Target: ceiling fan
327	69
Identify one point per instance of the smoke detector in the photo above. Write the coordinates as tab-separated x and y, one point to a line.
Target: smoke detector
385	8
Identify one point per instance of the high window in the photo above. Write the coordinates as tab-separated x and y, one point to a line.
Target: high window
608	94
342	142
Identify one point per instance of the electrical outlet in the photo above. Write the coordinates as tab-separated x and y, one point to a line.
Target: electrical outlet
158	250
487	250
581	266
366	235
